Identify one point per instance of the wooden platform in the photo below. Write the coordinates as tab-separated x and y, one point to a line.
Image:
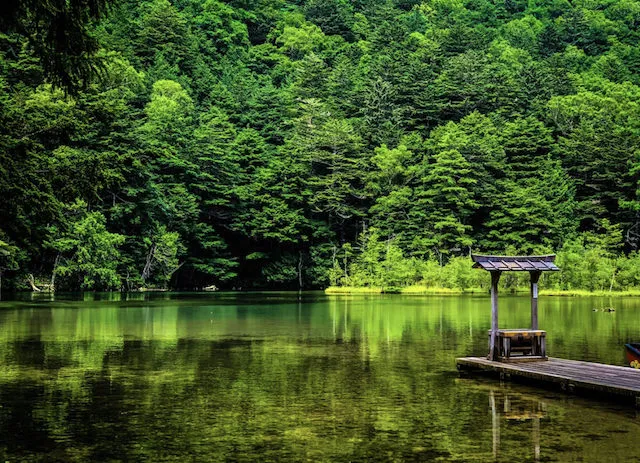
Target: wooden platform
602	381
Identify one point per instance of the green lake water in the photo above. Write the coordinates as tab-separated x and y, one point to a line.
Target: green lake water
279	377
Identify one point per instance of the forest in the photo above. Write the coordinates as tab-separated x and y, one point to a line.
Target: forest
281	144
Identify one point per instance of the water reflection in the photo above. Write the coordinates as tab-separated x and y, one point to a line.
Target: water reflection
512	406
279	378
530	424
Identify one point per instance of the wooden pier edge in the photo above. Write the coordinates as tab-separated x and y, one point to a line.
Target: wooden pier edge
596	380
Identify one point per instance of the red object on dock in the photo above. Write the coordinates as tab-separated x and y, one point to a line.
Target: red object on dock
632	352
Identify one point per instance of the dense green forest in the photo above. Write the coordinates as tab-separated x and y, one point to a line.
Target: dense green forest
287	144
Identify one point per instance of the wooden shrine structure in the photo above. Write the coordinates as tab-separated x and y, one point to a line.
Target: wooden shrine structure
516	344
514	354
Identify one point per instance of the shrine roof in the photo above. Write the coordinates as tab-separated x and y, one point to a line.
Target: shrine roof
515	263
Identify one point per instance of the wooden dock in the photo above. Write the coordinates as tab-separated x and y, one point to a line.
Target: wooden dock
608	382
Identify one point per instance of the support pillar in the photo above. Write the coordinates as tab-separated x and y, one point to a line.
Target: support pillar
535	277
493	343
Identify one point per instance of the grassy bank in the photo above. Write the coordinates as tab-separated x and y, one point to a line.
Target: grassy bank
585	293
417	289
414	289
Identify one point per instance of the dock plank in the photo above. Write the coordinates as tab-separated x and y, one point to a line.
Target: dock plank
612	381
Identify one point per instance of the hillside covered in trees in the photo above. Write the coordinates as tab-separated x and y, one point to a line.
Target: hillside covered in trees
277	144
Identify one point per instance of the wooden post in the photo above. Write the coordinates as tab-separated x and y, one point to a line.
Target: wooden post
493	347
535	276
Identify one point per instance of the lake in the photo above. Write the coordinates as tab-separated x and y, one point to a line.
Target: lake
288	377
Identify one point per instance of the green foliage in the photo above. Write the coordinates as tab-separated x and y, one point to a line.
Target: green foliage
89	254
598	130
299	38
289	144
334	17
163	256
59	35
447	202
10	257
163	32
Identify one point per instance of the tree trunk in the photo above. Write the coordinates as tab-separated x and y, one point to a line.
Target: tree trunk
300	270
52	286
146	271
346	263
170	274
387	268
613	279
32	283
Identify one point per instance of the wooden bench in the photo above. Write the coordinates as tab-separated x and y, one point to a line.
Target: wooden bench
520	345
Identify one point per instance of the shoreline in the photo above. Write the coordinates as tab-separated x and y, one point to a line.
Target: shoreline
423	290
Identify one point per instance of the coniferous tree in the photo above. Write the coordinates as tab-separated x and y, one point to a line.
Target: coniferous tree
446	204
